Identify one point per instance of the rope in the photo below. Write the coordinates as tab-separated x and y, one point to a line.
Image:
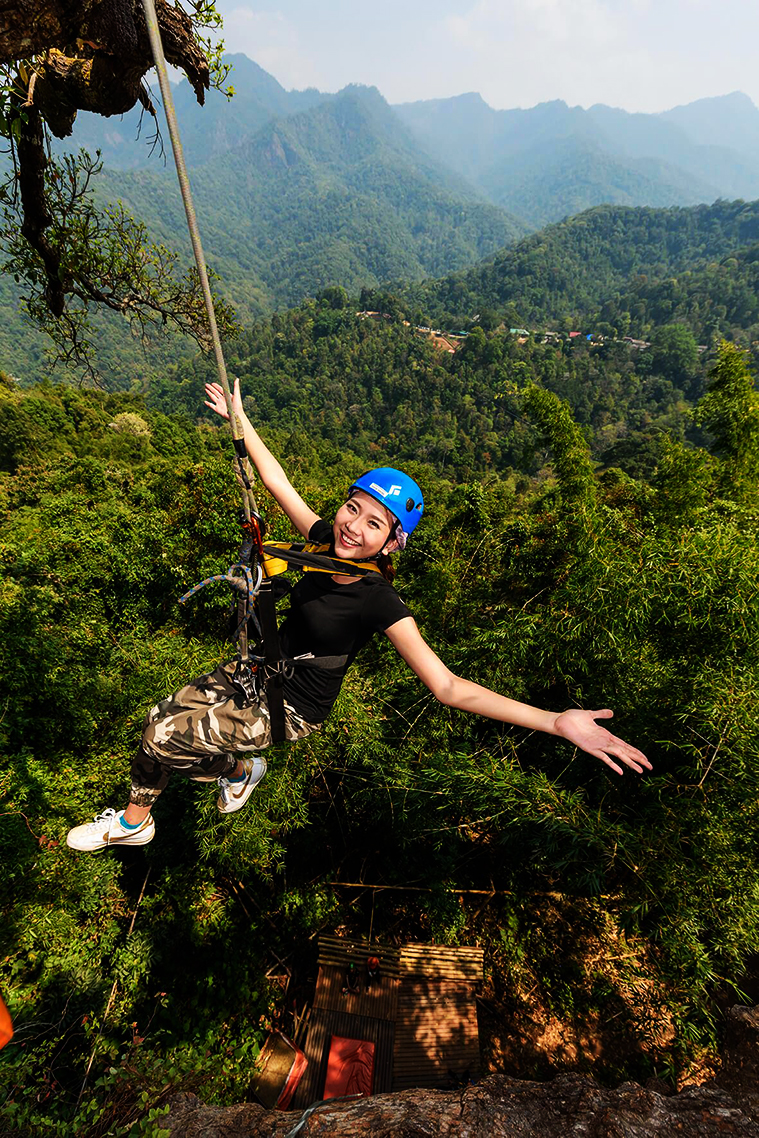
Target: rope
151	19
316	1106
250	510
242	583
240	578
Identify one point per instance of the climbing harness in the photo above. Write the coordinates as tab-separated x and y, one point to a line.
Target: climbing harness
266	669
279	555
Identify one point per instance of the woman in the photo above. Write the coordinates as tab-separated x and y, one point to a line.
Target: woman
206	729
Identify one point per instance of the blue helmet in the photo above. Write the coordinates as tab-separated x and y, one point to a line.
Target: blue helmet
397	493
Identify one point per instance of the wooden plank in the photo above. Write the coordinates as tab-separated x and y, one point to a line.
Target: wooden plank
380	1002
431	960
463	975
436	1036
359	963
370	947
442	949
441	952
429	990
340	951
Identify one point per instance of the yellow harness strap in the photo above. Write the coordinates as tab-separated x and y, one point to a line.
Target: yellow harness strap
273	565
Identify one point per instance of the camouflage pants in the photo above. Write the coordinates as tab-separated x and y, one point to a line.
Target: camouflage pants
201	731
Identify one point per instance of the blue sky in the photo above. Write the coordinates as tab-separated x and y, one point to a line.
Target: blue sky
642	55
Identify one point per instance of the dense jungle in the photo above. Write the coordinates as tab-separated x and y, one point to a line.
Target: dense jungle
620	914
589	457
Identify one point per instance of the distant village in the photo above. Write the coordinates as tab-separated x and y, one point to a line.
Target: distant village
452	341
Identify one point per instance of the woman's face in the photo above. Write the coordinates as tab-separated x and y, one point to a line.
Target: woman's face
362	527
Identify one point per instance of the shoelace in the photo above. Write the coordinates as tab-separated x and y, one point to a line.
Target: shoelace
225	787
107	816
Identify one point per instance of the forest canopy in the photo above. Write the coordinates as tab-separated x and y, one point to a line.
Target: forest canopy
109	508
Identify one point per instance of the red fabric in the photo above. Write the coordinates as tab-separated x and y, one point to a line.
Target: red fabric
6	1027
350	1068
296	1073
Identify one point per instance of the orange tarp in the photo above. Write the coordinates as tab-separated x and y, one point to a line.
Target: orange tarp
350	1068
6	1027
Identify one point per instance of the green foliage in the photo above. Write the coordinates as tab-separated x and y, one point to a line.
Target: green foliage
382	388
629	268
562	589
103	258
730	412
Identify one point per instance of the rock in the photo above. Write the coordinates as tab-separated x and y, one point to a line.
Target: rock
569	1106
498	1107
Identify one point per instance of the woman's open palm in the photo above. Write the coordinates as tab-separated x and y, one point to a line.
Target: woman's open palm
580	728
216	401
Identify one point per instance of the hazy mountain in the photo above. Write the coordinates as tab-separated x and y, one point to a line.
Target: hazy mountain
338	194
126	141
726	121
296	191
575	174
541	164
553	160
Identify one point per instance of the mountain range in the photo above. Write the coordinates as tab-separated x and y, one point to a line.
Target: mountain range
618	264
338	194
553	160
299	190
539	164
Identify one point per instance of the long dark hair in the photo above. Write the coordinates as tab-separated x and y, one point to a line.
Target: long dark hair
384	561
386	567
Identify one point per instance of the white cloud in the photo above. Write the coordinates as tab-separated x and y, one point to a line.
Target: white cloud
274	42
636	54
490	24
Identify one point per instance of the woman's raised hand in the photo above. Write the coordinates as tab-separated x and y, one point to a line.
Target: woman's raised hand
580	728
216	401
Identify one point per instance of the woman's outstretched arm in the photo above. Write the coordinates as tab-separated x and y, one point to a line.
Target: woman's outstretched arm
269	468
576	725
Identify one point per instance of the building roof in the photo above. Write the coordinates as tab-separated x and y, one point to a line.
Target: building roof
421	1014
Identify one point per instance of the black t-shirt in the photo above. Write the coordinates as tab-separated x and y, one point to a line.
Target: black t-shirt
328	619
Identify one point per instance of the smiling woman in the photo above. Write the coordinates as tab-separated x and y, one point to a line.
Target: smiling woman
212	730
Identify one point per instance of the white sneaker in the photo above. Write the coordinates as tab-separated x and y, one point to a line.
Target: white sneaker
107	830
234	795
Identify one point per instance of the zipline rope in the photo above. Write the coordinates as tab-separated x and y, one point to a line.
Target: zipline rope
151	19
250	510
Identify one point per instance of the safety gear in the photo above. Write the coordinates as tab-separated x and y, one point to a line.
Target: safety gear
397	492
278	556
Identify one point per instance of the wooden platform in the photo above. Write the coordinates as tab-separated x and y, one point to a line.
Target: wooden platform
421	1016
436	1035
321	1027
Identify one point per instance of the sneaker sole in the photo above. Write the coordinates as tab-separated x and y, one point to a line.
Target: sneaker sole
106	843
